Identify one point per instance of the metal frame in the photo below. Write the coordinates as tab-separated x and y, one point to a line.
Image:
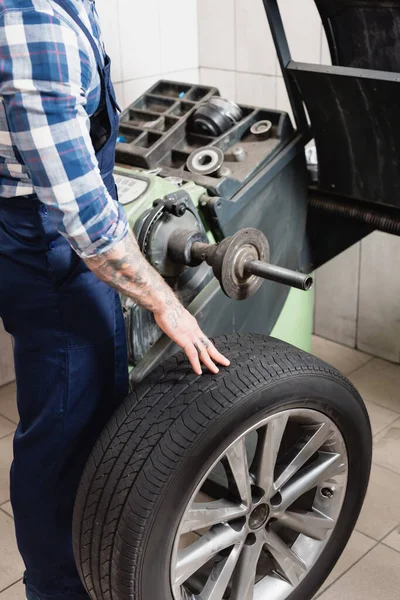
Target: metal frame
283	51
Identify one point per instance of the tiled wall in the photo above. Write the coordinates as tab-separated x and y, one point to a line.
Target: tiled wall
357	293
149	40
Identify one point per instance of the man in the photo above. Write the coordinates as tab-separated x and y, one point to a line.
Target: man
65	253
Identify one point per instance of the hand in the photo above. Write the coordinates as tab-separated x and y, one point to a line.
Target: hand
179	325
125	269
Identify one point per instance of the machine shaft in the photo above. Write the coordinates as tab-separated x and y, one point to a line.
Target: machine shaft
239	262
279	274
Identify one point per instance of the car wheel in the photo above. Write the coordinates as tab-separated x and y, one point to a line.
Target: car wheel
241	486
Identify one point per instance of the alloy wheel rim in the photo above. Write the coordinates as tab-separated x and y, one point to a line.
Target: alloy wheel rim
263	513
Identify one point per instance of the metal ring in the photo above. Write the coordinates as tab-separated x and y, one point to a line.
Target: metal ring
262	129
205	161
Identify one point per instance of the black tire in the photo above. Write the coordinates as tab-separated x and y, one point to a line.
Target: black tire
156	448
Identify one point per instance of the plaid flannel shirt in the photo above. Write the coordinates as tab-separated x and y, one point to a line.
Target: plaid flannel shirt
49	89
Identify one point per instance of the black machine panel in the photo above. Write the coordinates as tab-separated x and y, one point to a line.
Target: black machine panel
356	122
363	33
353	106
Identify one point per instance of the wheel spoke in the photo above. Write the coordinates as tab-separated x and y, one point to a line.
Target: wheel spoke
237	458
190	559
307	451
206	514
221	574
269	442
326	466
311	523
245	574
291	566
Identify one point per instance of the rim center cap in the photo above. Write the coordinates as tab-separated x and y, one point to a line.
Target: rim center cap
259	516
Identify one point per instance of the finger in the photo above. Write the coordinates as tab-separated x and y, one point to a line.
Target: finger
206	360
205	357
194	358
216	355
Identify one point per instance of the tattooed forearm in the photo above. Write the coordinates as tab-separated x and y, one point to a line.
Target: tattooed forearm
125	269
175	313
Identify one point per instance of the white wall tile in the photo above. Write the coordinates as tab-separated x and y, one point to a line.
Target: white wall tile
185	76
225	81
139	30
379	311
255	48
217	34
135	88
119	91
336	301
257	90
303	25
6	357
108	12
179	35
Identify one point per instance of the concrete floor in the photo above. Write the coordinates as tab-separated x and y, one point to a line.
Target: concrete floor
370	566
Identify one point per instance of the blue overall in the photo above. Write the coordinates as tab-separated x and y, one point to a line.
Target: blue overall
71	369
